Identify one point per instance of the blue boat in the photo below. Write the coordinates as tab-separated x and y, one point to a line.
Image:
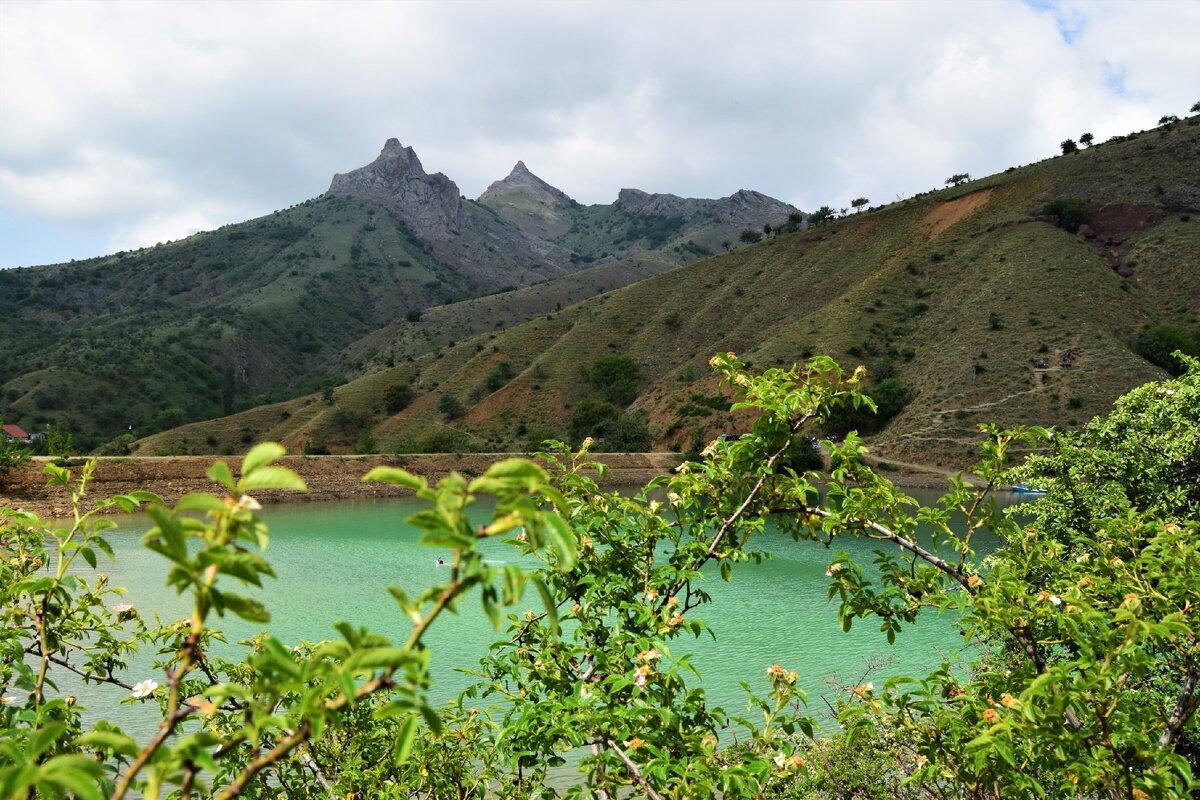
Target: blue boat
1024	488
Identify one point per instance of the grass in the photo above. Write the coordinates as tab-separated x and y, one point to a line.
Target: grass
876	288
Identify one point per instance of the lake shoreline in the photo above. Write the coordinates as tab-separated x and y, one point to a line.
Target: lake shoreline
334	477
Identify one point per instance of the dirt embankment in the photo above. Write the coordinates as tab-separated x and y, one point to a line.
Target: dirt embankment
340	477
328	477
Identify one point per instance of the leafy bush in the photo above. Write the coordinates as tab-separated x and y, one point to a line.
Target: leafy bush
1069	212
397	397
1078	678
500	375
1156	343
614	378
628	433
450	405
12	455
887	399
591	418
444	440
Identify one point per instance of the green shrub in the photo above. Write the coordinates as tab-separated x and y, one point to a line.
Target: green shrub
444	440
592	418
1069	212
615	378
628	433
1156	343
397	397
500	376
451	406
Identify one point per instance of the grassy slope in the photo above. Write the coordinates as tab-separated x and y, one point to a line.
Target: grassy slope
227	319
913	284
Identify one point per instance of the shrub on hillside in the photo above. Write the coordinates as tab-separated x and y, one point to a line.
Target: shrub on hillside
890	396
628	433
451	406
1068	212
615	378
500	376
397	397
591	418
1156	343
444	440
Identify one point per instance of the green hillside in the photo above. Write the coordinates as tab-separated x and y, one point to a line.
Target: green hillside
116	348
967	297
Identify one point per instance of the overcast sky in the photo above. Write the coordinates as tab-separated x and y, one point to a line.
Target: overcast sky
125	124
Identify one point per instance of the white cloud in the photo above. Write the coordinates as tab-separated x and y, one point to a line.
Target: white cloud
157	228
138	111
94	183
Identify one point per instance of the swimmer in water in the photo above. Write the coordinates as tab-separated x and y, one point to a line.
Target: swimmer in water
440	562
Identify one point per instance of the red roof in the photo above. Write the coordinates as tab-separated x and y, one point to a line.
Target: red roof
15	432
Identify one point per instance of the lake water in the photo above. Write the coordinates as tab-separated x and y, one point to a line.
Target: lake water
335	560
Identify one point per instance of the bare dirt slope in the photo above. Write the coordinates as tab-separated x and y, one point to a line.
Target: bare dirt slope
328	477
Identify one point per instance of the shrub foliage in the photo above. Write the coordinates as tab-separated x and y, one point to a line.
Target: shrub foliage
1081	631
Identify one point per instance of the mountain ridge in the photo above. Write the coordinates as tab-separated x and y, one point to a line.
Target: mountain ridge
968	296
123	345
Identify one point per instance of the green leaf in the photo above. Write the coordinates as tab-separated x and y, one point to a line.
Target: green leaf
89	555
220	473
514	583
396	477
76	773
548	600
562	541
201	501
259	455
272	478
109	740
379	657
404	740
516	470
246	608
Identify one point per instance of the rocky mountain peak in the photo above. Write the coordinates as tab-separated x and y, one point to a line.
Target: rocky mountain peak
396	180
524	183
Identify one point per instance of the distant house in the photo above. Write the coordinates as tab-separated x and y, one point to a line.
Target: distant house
14	433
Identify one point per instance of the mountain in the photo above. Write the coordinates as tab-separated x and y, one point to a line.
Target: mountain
280	306
966	297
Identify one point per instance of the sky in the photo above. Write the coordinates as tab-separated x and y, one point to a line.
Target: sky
123	124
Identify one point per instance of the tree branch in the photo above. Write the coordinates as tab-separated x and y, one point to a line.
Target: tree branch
1185	706
638	778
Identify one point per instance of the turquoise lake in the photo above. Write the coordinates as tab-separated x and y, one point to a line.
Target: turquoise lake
335	560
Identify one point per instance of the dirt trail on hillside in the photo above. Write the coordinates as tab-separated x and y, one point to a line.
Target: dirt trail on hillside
943	215
328	477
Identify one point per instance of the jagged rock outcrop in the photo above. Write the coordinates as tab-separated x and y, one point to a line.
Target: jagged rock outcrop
523	183
531	204
742	206
431	204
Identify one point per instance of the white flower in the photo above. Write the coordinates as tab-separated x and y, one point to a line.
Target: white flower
7	700
1056	600
144	689
780	759
249	503
674	498
833	568
121	608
